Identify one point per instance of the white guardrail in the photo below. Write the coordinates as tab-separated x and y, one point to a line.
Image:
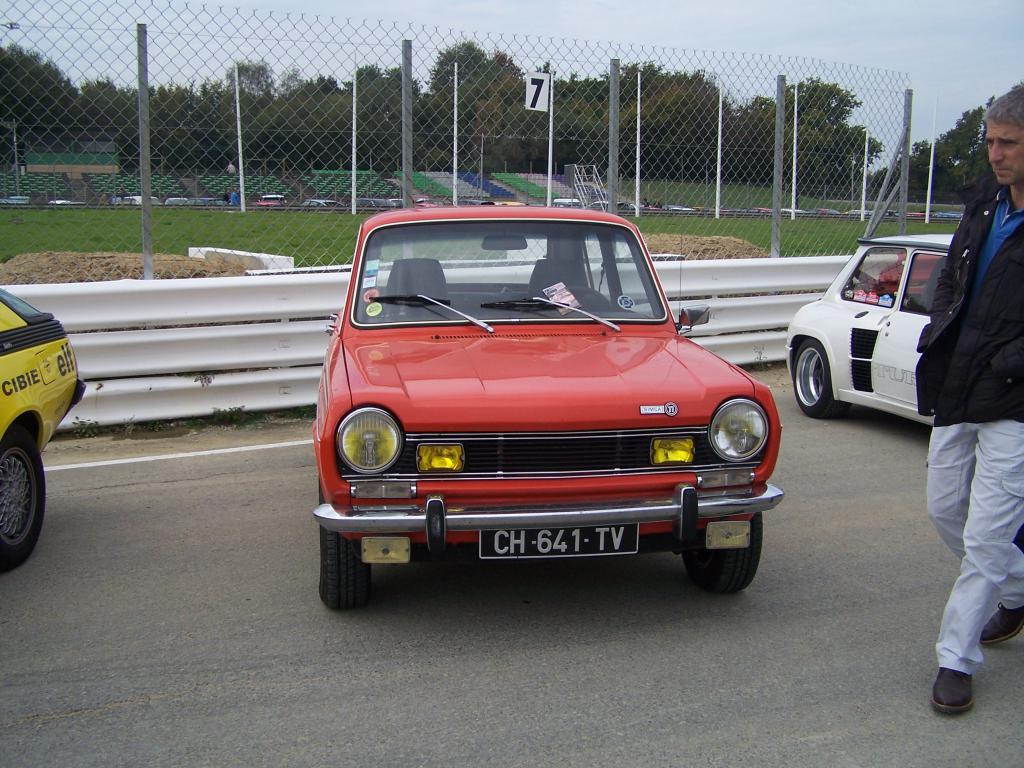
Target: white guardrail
165	349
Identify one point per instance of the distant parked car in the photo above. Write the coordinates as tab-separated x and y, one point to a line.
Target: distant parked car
38	385
319	202
132	200
372	204
15	200
826	212
61	201
270	201
177	201
858	343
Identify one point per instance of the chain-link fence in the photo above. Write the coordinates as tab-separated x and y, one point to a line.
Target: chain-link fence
276	133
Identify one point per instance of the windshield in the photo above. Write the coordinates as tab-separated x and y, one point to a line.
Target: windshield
492	271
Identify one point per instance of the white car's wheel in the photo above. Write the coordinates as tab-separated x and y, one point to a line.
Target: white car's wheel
812	383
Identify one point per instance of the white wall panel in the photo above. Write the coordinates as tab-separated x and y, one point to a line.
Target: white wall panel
163	349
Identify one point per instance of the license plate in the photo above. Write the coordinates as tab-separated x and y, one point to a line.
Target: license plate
588	541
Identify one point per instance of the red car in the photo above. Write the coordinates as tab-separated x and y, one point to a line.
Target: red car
510	383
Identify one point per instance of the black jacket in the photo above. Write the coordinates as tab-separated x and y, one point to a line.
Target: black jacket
972	363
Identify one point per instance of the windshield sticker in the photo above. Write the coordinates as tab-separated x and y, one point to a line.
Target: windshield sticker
369	281
625	302
372	310
885	301
370	295
558	292
371	268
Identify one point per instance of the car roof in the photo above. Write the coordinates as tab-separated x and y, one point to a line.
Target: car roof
911	241
496	212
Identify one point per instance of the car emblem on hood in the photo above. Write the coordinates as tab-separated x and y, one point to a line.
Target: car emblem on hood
668	409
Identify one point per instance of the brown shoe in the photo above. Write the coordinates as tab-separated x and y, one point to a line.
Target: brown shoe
1004	624
951	693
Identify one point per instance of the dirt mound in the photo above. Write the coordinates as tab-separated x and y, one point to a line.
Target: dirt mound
696	247
53	267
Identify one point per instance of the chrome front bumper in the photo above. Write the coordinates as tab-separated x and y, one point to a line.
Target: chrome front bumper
435	517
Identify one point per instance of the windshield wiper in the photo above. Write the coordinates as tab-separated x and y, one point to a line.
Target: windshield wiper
419	298
539	301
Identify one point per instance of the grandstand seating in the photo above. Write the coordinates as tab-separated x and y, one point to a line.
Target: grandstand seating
444	178
163	185
558	186
519	184
486	187
216	184
335	183
48	185
428	186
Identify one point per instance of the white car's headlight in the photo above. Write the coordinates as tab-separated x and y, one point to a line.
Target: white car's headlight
369	440
738	430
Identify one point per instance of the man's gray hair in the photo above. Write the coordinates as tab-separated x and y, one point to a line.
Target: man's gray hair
1008	108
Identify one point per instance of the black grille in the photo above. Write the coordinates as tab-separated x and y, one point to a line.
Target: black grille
862	347
551	454
30	336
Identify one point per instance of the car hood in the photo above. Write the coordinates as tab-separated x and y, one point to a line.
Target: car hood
536	380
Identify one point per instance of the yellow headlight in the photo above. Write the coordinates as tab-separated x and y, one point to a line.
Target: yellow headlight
672	451
369	440
440	458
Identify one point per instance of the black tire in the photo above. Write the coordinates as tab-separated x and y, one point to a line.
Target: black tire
812	383
344	578
22	497
724	571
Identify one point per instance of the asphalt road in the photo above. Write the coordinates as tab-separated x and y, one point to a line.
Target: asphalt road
170	617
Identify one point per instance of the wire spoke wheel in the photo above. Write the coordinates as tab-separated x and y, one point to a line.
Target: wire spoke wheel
17	496
22	497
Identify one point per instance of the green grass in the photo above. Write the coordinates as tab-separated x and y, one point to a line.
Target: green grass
802	237
311	237
318	237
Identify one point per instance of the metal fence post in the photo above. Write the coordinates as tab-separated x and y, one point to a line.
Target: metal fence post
613	137
780	129
908	103
407	123
144	169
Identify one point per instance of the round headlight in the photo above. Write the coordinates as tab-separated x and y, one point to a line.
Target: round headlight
369	440
738	430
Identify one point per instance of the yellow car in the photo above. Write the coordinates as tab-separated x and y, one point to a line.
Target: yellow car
38	385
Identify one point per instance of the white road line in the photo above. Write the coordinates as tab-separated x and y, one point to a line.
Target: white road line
166	456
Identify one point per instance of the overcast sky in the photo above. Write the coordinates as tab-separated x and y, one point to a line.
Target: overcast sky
956	54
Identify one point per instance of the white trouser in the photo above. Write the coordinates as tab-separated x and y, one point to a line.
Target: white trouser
976	501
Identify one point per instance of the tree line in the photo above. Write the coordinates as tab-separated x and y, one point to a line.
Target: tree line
293	124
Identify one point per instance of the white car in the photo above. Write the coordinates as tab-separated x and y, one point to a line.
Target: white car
857	344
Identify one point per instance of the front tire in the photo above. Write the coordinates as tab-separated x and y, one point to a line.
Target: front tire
344	578
22	497
725	571
812	383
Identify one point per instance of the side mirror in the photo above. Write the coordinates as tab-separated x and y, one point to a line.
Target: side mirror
691	316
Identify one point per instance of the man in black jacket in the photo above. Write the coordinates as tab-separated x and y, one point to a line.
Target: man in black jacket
971	379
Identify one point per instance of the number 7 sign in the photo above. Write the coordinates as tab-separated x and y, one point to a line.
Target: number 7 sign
538	88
